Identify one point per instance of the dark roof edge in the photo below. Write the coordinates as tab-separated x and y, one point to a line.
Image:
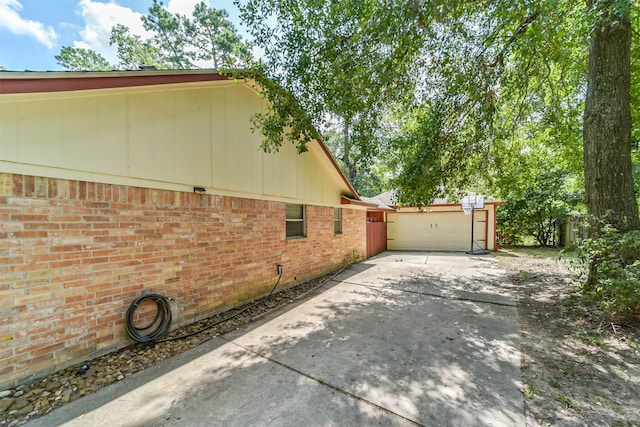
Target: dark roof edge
65	81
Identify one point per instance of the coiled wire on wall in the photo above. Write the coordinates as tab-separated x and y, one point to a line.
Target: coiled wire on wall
163	318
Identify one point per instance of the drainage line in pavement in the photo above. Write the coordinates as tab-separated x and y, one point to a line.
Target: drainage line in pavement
323	382
429	294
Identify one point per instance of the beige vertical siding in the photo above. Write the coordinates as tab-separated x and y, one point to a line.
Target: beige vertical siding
171	137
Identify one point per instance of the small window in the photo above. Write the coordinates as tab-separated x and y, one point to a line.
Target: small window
337	220
295	221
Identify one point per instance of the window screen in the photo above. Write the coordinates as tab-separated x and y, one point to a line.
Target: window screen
337	220
295	221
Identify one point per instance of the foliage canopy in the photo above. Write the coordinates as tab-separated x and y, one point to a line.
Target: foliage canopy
456	89
178	41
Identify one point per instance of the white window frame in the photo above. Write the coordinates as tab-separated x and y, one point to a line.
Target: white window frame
297	220
337	221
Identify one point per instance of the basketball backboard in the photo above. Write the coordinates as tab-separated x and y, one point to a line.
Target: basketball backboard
475	201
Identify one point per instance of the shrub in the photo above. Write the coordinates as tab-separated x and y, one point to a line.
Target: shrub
535	211
613	265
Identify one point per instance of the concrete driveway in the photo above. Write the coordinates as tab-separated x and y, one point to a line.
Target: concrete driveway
399	340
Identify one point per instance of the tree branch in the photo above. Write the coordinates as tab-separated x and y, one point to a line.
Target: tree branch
526	23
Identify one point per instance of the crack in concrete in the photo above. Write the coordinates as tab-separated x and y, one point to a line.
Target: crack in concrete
324	383
430	294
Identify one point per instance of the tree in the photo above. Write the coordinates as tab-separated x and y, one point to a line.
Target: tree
607	118
459	78
215	38
134	52
80	59
368	178
169	35
177	42
534	211
329	61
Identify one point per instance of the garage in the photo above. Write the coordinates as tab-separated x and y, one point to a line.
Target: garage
436	230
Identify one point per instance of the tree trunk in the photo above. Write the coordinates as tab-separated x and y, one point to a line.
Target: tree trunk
607	125
346	154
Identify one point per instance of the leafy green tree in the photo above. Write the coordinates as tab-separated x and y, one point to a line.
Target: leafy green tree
367	177
169	35
134	52
80	59
215	38
177	42
537	209
461	78
335	63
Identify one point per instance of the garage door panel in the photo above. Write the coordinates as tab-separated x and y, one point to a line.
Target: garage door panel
450	231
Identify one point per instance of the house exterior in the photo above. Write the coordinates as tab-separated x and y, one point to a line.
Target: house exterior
118	184
441	226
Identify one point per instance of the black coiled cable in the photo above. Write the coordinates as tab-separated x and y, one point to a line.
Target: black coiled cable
162	319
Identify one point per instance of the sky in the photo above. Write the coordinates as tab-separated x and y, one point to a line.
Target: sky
32	32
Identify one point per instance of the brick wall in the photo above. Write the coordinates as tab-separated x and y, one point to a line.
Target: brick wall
74	255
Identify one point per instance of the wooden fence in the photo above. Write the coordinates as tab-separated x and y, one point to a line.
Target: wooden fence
376	238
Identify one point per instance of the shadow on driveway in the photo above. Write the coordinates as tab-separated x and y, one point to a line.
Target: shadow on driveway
429	340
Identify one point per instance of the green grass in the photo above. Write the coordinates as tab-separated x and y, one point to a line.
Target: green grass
567	401
623	374
570	369
567	255
531	390
553	382
592	337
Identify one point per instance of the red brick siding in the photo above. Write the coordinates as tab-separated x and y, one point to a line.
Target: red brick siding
74	255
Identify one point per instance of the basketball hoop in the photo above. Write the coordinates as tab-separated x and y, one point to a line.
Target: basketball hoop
469	204
472	201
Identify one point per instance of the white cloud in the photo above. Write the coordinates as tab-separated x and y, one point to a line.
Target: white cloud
99	18
11	20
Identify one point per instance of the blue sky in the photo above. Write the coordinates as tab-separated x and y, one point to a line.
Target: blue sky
32	32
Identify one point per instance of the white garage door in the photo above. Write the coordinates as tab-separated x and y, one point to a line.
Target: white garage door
435	231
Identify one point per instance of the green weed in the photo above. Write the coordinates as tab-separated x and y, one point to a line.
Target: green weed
623	374
531	390
612	262
592	337
570	369
522	275
601	393
553	382
617	409
566	400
